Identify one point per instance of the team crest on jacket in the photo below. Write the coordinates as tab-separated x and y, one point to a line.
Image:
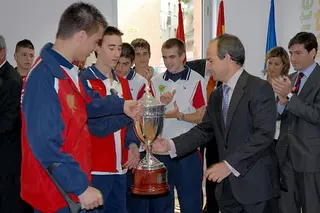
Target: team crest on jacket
162	88
70	102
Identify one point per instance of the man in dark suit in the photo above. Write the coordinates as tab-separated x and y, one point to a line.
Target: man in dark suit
298	147
241	115
211	154
10	142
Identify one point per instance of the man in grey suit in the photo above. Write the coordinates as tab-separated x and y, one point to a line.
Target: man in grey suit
298	146
241	115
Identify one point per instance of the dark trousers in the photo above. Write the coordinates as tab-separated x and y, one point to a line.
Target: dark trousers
163	203
299	190
187	177
228	204
66	210
113	189
211	156
10	200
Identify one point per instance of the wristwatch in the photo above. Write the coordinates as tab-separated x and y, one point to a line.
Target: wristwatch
289	96
181	117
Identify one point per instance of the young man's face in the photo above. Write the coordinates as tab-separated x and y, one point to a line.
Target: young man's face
124	65
142	57
110	50
24	57
172	60
86	44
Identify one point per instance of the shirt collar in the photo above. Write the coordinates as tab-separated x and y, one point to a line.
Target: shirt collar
184	75
307	72
3	63
62	61
101	76
131	74
55	61
234	79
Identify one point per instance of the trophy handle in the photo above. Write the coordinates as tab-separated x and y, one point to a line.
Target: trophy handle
138	131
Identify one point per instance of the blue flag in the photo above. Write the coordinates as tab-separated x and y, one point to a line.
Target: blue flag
271	37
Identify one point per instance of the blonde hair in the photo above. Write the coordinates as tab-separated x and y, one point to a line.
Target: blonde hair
281	53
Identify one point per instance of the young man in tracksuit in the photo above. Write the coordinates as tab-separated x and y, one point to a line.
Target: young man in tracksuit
112	154
55	108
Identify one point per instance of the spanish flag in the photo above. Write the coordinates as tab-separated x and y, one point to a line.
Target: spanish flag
221	25
180	28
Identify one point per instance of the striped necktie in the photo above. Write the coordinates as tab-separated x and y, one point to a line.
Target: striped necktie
298	82
225	104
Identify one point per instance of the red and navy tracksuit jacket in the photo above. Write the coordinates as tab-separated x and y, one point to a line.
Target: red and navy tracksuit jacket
105	142
55	110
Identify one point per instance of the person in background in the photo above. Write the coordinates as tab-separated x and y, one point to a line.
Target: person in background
24	56
10	136
55	110
298	147
142	58
124	68
278	65
210	151
182	90
116	152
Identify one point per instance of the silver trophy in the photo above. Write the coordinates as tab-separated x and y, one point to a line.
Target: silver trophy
150	176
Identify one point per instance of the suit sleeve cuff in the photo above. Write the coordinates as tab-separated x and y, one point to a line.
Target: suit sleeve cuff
234	171
172	151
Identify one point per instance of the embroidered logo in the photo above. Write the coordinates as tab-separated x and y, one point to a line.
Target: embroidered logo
162	88
70	102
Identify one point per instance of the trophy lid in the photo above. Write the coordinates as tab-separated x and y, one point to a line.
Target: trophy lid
148	100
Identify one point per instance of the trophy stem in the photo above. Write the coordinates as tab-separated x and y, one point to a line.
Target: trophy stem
149	151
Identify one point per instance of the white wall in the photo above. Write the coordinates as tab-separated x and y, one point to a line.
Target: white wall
37	20
248	19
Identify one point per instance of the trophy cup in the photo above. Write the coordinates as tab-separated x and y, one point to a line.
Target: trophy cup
150	176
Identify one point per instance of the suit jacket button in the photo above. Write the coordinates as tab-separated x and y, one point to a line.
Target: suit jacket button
289	132
287	145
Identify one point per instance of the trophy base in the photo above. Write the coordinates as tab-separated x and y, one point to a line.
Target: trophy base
150	182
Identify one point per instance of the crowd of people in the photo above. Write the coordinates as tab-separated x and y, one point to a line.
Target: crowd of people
68	126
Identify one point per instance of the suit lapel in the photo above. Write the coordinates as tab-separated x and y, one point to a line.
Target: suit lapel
236	97
310	83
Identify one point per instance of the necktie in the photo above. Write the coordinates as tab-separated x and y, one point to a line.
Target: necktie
298	82
225	104
210	86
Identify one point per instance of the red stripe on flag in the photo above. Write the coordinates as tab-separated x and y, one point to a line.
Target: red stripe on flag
180	28
221	24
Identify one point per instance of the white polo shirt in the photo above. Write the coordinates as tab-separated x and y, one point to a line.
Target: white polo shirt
190	95
136	83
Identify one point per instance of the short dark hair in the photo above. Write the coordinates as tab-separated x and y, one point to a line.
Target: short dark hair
80	16
174	42
230	44
141	43
24	43
127	51
309	41
110	30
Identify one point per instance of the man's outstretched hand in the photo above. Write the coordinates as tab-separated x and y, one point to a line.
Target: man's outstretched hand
161	145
